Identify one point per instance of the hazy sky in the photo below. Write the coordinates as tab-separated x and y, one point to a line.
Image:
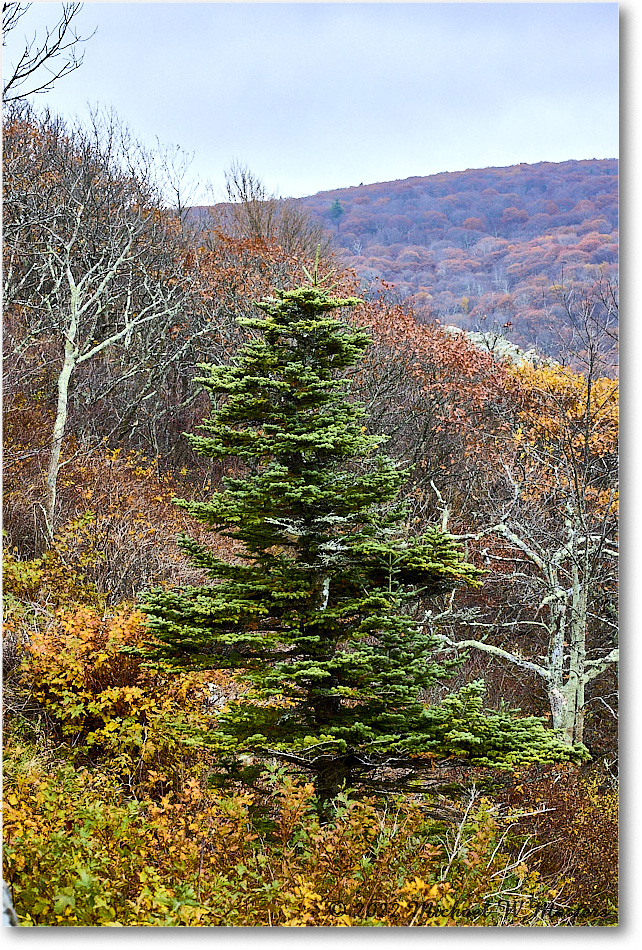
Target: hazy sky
313	96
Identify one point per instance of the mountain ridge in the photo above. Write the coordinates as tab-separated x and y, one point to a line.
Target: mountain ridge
495	248
459	171
483	248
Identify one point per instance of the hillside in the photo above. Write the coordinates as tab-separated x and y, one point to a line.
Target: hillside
295	698
482	248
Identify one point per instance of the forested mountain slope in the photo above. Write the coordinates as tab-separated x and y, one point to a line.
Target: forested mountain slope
483	247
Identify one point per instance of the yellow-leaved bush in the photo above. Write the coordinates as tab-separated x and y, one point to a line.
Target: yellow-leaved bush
101	704
111	817
79	853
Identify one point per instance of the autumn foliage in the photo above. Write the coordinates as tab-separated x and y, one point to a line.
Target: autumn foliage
483	248
200	858
119	807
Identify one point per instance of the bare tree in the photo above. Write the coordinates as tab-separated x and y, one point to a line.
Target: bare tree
43	60
253	213
587	335
110	306
251	210
555	583
175	163
90	264
555	536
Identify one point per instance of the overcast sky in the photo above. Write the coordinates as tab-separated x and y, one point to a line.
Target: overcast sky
314	96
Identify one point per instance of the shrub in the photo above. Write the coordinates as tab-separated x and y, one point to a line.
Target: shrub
116	525
578	826
77	853
104	706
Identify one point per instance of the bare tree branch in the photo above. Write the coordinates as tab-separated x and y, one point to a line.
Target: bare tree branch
42	62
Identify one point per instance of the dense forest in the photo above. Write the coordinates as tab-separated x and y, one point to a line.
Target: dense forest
310	604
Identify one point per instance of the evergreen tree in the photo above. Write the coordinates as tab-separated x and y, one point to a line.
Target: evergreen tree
336	211
316	613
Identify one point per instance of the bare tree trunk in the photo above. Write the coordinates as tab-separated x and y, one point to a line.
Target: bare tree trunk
565	669
58	435
60	424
